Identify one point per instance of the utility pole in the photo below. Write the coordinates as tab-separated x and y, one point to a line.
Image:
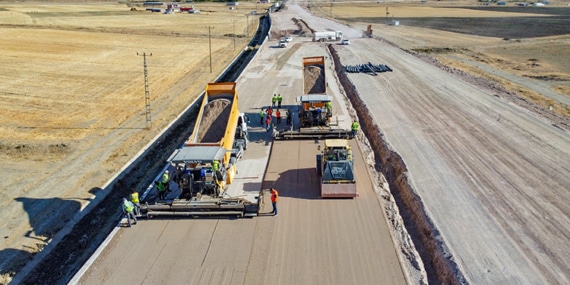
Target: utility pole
387	13
234	33
146	91
247	16
210	44
331	8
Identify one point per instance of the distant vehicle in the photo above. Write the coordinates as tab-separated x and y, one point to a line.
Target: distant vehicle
288	38
282	44
345	42
327	36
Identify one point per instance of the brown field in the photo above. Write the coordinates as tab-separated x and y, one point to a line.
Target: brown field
72	90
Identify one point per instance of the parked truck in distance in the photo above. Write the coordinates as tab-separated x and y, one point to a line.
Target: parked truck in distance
327	36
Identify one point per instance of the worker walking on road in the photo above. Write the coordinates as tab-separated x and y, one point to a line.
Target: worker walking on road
273	100
354	128
136	202
278	116
279	100
161	190
288	114
128	209
274	198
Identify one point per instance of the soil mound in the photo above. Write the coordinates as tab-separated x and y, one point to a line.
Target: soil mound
314	79
214	119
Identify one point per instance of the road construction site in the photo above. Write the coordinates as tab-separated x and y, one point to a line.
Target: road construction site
457	184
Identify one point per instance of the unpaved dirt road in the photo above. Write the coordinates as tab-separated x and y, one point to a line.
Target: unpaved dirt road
492	177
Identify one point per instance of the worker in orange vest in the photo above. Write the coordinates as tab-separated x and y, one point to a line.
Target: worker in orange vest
274	198
278	116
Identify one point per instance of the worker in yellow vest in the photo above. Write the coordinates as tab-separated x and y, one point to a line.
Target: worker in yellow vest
128	209
354	128
273	100
135	200
279	100
215	165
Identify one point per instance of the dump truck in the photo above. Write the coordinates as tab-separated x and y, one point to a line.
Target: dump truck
327	36
207	162
314	106
335	167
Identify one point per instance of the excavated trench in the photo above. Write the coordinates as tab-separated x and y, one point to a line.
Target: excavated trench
438	267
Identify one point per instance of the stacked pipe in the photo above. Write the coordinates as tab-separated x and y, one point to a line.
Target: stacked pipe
369	68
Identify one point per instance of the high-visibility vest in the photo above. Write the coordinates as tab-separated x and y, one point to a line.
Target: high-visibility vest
165	178
135	197
129	207
274	99
160	187
277	114
355	126
261	113
279	98
274	196
215	165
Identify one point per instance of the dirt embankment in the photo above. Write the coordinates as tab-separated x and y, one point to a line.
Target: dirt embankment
438	267
314	79
214	119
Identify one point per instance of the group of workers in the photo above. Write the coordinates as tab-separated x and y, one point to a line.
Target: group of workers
276	100
266	117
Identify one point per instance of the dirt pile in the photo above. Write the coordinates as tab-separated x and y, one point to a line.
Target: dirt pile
213	124
314	79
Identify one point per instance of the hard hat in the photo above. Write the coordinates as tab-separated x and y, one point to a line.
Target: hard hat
166	171
124	199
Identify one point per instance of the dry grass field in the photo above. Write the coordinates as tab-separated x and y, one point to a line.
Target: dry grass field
72	101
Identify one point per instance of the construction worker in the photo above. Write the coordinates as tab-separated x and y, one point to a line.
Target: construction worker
166	181
273	100
128	209
279	100
328	105
268	123
261	116
135	200
354	128
269	111
274	198
288	114
215	165
278	116
161	190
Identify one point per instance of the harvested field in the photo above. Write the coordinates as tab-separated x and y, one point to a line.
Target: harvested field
213	123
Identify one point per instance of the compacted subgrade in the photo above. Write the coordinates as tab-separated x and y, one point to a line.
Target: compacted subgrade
438	267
